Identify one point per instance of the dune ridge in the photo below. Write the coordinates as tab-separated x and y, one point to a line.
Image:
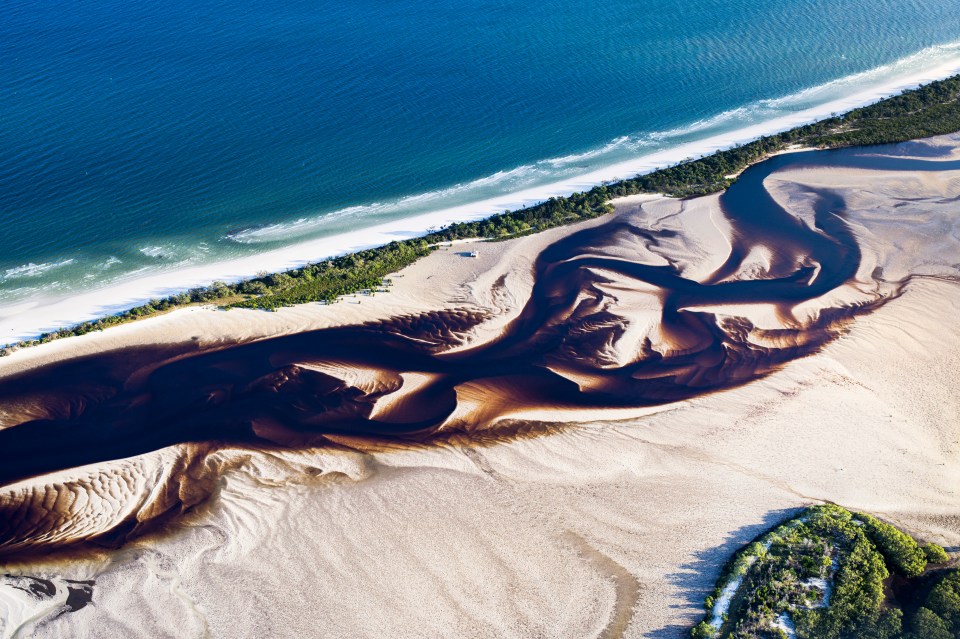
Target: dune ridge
643	317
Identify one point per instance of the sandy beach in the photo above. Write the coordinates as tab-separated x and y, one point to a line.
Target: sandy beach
515	517
27	319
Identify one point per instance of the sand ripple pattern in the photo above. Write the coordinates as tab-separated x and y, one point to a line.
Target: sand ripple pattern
620	317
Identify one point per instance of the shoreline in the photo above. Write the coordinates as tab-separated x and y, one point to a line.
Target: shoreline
865	422
28	320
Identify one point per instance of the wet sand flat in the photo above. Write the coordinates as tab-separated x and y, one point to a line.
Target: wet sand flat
565	436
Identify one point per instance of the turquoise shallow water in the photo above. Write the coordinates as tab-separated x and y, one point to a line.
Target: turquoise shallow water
140	136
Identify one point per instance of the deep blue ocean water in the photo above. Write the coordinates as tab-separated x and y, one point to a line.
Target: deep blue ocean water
137	136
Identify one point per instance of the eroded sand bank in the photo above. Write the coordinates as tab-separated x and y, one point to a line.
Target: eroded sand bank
601	520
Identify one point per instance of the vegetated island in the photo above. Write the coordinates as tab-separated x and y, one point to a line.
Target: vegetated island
933	109
829	573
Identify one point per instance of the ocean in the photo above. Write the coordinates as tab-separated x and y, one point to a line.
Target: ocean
142	144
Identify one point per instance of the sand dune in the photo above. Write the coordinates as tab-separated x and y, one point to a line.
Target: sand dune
565	436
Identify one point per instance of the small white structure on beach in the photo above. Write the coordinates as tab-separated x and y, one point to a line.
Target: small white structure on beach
474	254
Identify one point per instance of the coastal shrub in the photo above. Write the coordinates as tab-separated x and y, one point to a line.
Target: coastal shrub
885	624
898	548
860	606
253	287
935	553
927	625
944	601
933	109
929	110
857	585
330	279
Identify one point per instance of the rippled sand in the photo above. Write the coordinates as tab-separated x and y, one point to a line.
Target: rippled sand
565	518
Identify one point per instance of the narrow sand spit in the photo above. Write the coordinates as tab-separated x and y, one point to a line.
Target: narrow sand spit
590	521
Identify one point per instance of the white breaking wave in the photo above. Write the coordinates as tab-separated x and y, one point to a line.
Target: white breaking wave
506	190
617	144
515	178
932	58
618	151
158	252
520	177
34	270
929	59
108	263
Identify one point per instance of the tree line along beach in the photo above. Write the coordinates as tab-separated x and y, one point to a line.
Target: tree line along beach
590	418
929	110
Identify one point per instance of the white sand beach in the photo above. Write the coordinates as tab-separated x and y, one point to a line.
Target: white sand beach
28	319
601	523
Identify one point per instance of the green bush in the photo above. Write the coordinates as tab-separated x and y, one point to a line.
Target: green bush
944	601
927	625
935	553
860	606
899	549
933	109
857	594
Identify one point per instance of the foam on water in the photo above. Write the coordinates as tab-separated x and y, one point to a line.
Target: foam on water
109	262
616	158
34	270
23	321
126	176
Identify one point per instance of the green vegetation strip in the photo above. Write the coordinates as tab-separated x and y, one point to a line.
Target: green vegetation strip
833	574
933	109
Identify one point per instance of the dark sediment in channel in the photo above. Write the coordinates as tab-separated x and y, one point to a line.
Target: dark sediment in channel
283	390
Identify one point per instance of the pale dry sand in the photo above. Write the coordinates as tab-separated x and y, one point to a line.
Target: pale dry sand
616	526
